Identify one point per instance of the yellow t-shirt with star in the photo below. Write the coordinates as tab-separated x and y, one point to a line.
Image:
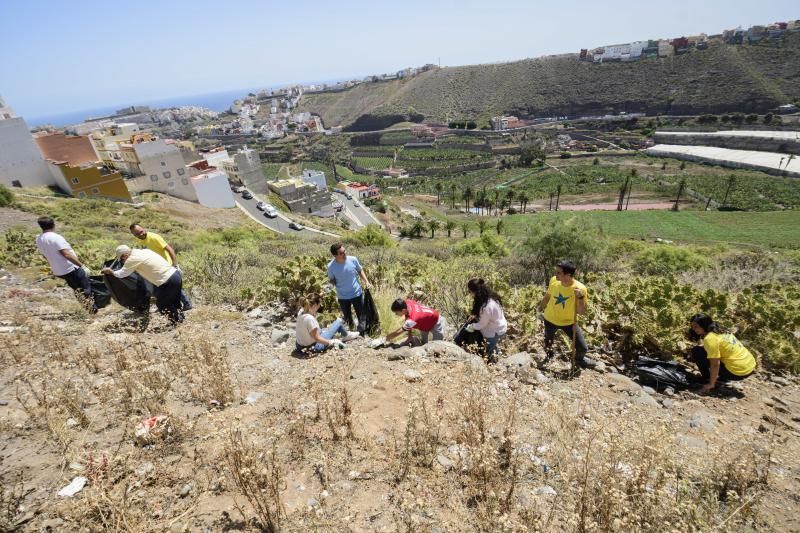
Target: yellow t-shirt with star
154	242
731	353
560	309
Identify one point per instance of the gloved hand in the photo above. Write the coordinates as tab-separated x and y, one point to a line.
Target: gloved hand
470	328
337	344
87	270
178	268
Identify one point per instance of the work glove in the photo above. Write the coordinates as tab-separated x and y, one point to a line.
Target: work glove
377	343
470	328
337	345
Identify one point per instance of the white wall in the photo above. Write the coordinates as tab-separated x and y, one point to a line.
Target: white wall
164	171
213	189
20	159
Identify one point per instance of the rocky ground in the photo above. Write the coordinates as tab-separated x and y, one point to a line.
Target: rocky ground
215	426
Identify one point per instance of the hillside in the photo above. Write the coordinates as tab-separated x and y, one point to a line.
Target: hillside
722	78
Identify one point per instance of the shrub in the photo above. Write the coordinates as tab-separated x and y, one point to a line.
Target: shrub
487	245
371	235
669	259
6	196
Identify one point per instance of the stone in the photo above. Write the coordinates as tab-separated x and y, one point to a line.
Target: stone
313	503
185	490
253	397
669	404
600	367
669	391
546	490
255	313
779	380
649	390
145	468
3	402
444	461
701	420
71	423
446	349
261	323
541	395
411	375
623	383
518	363
645	399
689	441
280	336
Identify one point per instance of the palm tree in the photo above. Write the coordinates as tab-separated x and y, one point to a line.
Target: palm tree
453	194
465	228
523	201
510	195
481	226
438	192
417	228
467	197
433	225
499	226
449	226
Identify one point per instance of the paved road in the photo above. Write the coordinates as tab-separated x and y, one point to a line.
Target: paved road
278	224
361	214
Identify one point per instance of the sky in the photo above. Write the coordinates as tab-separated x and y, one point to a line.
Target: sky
58	56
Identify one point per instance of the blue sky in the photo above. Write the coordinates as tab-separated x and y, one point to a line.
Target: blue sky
60	56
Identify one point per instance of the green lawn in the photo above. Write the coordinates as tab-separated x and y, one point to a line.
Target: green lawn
779	229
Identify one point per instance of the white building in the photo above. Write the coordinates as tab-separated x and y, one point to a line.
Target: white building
213	189
21	163
217	157
164	171
244	167
315	177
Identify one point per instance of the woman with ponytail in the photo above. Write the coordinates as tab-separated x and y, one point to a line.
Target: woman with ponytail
718	356
307	330
487	315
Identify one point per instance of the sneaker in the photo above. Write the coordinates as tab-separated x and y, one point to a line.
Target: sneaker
586	362
353	335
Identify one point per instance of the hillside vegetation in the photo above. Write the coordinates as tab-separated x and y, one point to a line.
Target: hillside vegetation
722	78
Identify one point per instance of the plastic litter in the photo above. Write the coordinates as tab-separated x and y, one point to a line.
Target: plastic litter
253	397
149	427
661	374
74	487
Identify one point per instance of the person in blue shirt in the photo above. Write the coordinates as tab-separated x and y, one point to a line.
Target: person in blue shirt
344	273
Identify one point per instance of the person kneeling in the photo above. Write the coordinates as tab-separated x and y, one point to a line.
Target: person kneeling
719	357
309	336
417	316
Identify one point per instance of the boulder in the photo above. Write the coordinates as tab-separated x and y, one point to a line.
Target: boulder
623	383
280	336
411	375
517	364
255	313
702	421
446	350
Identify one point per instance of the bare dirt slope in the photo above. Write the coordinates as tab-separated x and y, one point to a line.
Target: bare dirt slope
248	436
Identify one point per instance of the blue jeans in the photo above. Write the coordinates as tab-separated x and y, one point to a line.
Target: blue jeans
491	346
327	334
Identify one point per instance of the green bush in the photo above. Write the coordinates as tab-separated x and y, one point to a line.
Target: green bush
371	235
6	196
659	260
487	245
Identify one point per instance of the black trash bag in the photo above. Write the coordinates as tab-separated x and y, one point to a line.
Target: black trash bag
132	292
371	317
100	291
662	373
466	339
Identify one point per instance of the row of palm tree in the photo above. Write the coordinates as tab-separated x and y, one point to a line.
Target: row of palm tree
499	202
420	226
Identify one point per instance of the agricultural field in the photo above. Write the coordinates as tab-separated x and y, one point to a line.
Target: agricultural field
376	163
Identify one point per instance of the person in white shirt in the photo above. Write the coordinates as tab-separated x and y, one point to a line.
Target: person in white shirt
166	279
487	316
64	263
307	330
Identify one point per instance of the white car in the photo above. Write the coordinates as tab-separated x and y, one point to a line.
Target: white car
356	204
261	206
270	211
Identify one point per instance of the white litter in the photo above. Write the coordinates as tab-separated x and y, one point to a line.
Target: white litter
74	487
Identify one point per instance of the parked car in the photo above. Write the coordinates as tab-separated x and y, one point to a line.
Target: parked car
349	196
261	206
247	195
296	226
270	211
237	188
356	204
337	205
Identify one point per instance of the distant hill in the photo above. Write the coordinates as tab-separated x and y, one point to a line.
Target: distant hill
720	79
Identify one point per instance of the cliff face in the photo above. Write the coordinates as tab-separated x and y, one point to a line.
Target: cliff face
721	78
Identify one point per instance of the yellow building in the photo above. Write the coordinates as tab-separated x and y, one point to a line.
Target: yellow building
91	181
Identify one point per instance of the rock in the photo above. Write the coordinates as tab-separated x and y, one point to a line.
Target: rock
519	362
71	423
444	461
689	441
645	399
255	313
3	402
669	391
52	524
411	375
649	390
280	336
253	397
406	352
446	350
541	395
261	323
546	490
600	367
313	503
185	490
623	383
701	420
669	404
144	469
779	380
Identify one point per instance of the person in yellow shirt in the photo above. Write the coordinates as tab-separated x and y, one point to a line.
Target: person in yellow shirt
719	356
155	242
565	298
